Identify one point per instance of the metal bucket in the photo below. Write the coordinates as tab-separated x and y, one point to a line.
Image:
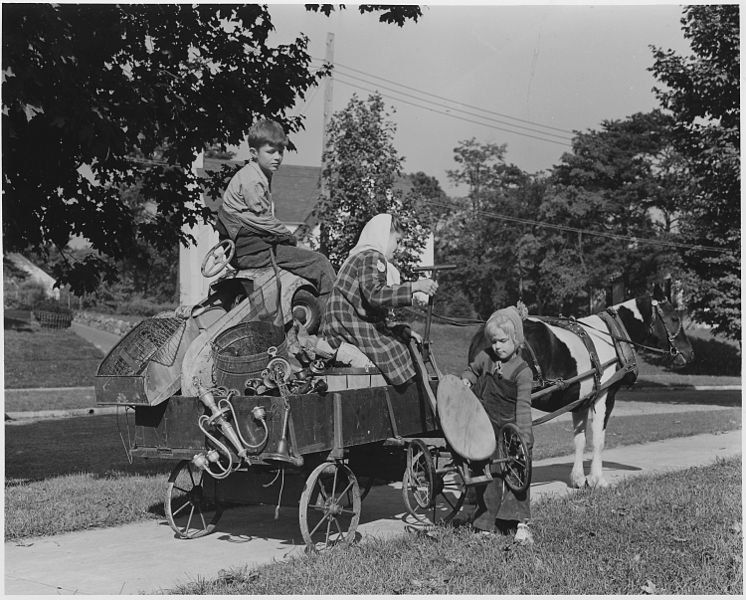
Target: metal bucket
240	352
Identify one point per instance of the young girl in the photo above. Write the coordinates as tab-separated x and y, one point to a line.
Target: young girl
365	288
502	380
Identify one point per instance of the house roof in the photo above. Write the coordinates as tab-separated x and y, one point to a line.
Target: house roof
295	189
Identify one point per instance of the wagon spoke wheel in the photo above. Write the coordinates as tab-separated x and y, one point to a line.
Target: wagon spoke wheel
432	486
191	507
329	506
513	450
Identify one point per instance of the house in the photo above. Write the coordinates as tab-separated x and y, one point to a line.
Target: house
35	274
295	190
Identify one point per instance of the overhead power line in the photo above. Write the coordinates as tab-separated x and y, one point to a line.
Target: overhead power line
614	236
449	108
452	115
450	100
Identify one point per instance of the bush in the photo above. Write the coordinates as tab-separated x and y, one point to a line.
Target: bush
25	295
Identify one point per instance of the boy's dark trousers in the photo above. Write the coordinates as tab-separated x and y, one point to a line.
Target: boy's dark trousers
253	252
308	264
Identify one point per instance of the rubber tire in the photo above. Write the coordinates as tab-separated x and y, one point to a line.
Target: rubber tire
309	304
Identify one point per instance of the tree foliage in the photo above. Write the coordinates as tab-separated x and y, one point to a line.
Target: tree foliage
473	235
702	93
618	181
98	98
361	169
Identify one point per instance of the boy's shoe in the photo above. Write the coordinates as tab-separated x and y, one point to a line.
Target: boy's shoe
523	535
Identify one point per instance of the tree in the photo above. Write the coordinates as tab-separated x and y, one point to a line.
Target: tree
98	97
613	182
702	93
429	198
476	237
482	168
361	168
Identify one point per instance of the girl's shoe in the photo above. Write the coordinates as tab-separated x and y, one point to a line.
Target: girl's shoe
523	535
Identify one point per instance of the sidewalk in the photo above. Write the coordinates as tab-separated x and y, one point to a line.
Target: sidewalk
145	557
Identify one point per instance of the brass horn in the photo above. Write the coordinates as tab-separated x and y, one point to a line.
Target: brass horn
278	371
282	452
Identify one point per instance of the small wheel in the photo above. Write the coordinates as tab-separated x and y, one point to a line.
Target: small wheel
218	258
513	450
191	506
306	308
437	502
418	483
329	506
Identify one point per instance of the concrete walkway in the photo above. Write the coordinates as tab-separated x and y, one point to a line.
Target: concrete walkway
103	340
145	557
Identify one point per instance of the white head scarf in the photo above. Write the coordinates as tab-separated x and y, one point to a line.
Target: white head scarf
375	236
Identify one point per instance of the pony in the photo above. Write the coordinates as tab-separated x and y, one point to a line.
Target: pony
580	364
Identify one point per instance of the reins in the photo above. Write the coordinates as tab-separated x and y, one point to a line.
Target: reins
672	349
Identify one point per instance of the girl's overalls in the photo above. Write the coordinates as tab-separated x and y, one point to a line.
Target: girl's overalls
495	500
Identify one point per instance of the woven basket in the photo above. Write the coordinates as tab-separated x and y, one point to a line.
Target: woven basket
241	351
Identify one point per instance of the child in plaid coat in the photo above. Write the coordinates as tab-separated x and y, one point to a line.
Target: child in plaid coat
366	287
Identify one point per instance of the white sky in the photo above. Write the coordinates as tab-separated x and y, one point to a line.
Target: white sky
567	67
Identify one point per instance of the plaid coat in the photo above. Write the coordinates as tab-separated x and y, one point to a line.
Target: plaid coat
356	313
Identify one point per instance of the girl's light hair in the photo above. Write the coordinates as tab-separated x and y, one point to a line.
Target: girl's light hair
502	323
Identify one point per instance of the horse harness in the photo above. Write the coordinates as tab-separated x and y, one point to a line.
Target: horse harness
626	372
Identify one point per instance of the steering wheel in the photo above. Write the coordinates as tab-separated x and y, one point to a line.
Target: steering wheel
219	255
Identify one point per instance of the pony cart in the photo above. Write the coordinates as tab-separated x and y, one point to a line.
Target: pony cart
212	387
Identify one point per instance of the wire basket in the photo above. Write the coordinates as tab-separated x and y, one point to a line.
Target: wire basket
154	339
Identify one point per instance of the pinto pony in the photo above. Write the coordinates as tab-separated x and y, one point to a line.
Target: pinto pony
579	365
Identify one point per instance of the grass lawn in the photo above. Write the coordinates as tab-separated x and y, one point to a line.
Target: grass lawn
48	358
81	464
678	533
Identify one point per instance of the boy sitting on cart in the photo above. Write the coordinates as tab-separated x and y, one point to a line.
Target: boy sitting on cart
355	317
247	217
502	380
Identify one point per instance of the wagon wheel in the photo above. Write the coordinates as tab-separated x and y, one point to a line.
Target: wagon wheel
329	506
191	505
218	257
517	465
433	488
365	483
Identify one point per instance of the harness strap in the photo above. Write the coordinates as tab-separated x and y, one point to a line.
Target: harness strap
573	326
539	382
617	376
624	349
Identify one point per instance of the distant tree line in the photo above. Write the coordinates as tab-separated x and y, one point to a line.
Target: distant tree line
641	198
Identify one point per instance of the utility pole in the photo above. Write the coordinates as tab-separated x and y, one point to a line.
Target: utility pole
328	96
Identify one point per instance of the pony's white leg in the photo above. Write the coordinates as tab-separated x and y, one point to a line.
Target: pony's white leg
596	477
579	423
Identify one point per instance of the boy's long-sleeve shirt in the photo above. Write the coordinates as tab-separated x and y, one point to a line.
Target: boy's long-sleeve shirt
247	202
